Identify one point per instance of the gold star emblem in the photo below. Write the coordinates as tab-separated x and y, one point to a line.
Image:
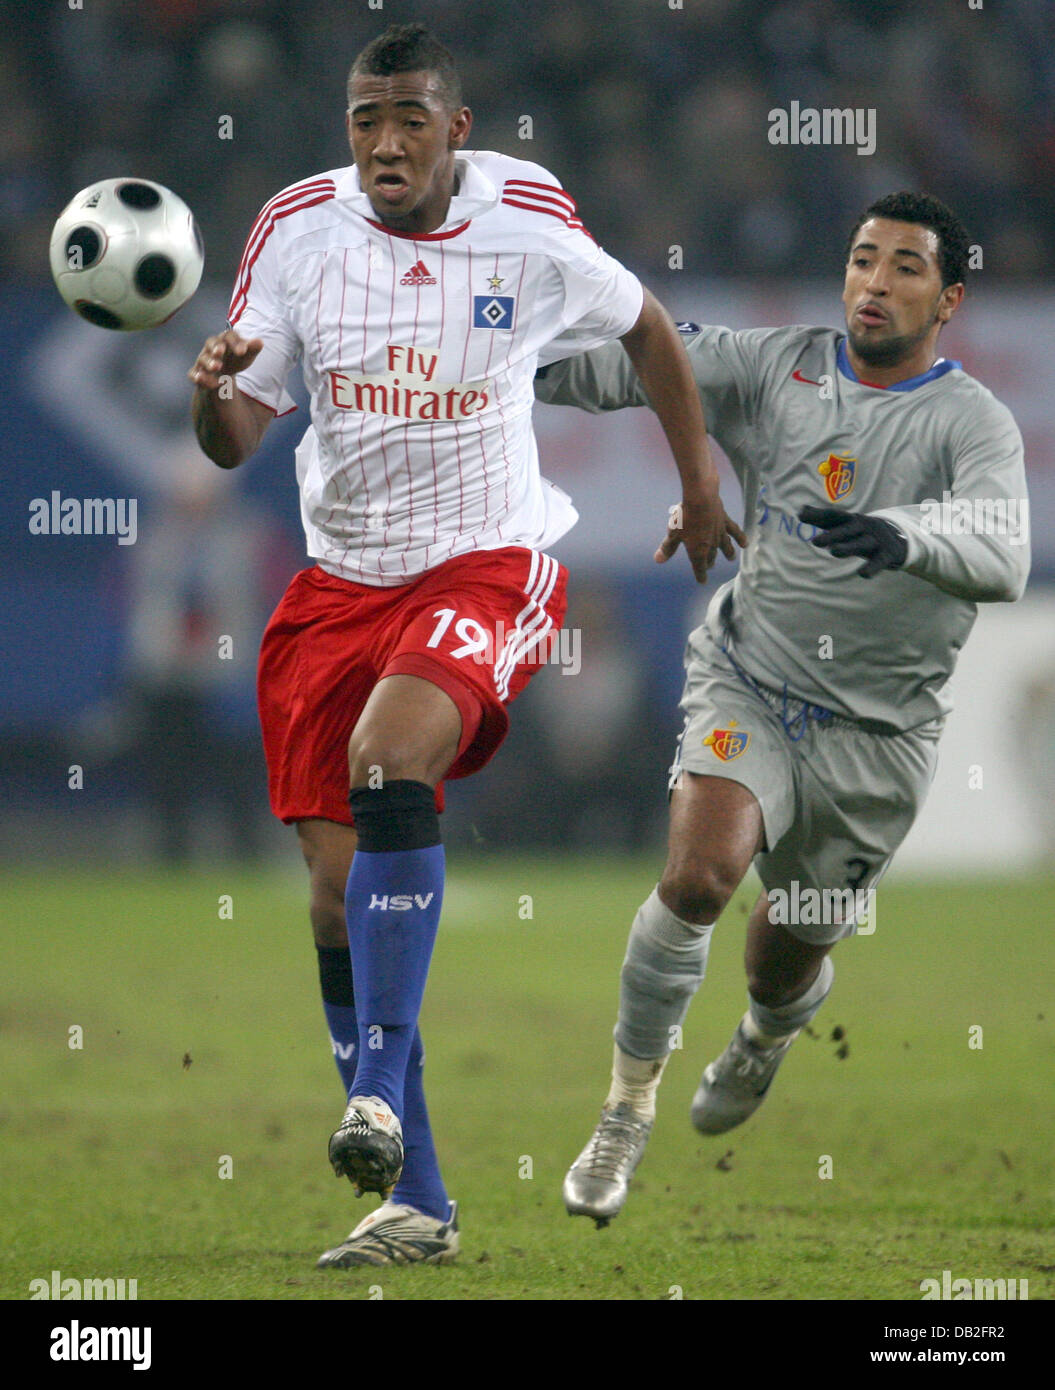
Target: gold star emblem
496	282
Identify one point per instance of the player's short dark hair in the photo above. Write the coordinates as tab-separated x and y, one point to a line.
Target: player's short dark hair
410	48
953	245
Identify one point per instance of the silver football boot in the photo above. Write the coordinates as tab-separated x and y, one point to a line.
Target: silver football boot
597	1182
735	1084
396	1234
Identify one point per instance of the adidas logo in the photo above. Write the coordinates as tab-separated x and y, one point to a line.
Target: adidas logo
418	274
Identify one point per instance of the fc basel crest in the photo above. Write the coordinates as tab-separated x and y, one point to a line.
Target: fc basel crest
727	744
838	470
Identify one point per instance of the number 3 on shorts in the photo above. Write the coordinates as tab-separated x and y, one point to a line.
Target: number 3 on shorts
861	869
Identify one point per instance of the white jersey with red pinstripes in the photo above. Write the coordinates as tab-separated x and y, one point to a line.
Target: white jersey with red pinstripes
419	354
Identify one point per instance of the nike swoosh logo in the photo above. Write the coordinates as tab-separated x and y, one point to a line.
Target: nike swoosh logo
797	376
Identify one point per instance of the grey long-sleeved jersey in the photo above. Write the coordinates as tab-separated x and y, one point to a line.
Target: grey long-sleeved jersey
938	456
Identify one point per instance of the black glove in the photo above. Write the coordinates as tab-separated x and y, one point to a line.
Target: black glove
876	541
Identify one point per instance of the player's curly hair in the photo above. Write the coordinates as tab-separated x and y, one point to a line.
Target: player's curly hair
410	48
953	244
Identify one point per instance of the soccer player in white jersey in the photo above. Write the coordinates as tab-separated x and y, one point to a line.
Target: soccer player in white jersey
817	686
420	288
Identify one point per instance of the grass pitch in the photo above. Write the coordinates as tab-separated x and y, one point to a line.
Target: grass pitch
204	1050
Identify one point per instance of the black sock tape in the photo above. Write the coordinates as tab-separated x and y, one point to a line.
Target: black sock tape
335	975
398	815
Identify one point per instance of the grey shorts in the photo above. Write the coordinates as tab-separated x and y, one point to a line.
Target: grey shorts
836	800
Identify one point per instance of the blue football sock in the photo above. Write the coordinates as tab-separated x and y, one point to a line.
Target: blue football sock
420	1184
393	901
344	1039
338	1002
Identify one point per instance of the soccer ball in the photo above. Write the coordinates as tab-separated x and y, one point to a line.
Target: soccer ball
126	254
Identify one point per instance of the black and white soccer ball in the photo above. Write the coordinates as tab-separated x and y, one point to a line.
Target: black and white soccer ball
126	253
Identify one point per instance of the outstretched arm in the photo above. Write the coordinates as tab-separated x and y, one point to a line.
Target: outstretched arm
972	543
663	367
229	424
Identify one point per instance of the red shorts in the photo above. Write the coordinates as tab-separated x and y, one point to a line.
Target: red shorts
479	626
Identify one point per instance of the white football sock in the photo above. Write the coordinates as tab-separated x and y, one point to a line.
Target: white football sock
635	1081
768	1027
755	1035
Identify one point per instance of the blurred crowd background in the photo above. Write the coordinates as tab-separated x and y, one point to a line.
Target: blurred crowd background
656	119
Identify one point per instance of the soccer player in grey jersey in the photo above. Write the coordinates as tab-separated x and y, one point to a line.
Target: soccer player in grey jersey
885	497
